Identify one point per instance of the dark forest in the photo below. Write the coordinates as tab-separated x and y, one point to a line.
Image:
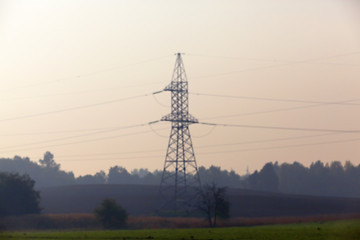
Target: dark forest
321	179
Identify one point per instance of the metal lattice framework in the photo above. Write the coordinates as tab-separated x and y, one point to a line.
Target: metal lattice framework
180	177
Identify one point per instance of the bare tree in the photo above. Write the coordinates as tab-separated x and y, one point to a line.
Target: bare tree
213	203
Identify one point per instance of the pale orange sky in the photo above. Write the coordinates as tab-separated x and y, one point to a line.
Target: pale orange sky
57	55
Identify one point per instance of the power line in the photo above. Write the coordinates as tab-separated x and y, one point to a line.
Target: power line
214	145
286	146
278	65
278	99
109	154
206	134
78	76
156	133
77	136
333	132
160	103
208	146
115	158
267	140
62	131
233	58
275	110
111	129
78	92
53	132
225	151
278	60
77	108
280	128
80	142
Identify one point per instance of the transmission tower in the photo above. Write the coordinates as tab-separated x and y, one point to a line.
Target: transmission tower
180	177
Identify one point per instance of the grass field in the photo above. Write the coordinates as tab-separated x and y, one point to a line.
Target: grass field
341	230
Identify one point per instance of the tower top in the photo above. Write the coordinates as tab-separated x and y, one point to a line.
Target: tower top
179	96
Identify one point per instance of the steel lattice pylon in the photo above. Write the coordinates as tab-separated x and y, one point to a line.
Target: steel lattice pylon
180	177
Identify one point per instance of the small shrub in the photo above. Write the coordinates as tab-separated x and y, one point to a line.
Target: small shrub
110	214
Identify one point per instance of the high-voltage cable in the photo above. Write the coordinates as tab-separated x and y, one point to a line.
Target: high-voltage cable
284	64
78	107
78	136
281	128
80	76
79	142
286	146
345	102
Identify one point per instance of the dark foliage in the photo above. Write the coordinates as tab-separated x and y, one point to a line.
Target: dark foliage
97	178
265	180
17	195
110	214
221	177
319	179
46	173
49	162
213	203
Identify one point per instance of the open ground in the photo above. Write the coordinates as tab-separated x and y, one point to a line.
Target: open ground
342	230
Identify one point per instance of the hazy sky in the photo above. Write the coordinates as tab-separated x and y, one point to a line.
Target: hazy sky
56	57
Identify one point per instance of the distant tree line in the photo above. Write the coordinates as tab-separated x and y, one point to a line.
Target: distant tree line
46	173
334	179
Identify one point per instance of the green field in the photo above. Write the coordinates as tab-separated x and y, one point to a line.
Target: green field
342	230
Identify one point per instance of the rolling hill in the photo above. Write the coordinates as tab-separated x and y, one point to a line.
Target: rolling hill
141	200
